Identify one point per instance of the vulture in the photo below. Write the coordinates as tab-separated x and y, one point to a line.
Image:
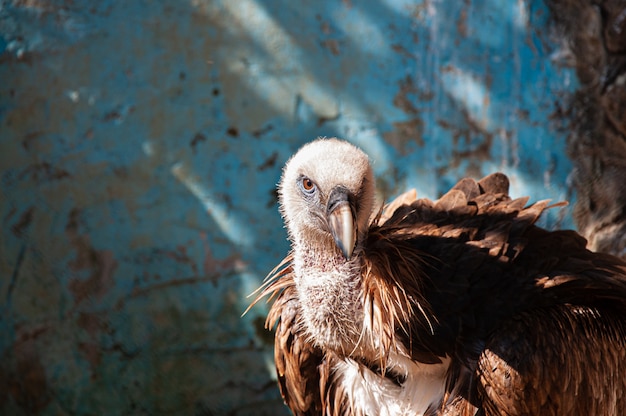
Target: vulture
459	306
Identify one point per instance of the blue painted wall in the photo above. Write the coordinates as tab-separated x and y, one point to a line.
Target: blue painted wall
140	145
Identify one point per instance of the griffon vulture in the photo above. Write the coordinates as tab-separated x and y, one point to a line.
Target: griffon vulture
460	306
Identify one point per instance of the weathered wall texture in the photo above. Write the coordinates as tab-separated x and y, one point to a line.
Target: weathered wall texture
595	32
140	145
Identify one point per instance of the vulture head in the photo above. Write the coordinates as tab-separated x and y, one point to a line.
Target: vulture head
326	199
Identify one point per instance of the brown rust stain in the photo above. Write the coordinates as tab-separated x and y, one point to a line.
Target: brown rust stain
402	99
402	51
410	130
44	171
100	264
143	291
262	131
29	138
481	151
23	222
92	353
232	132
332	45
269	163
215	268
405	132
461	25
92	322
196	140
181	256
26	380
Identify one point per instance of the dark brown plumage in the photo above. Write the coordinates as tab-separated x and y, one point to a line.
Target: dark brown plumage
459	306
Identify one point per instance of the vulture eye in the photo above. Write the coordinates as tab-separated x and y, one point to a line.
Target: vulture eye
307	185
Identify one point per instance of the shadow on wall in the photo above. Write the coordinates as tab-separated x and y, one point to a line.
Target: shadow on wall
140	145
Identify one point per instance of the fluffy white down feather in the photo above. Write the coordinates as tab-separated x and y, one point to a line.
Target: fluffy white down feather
376	395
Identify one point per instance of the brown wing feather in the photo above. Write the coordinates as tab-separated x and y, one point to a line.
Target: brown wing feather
466	227
297	361
453	271
566	360
300	366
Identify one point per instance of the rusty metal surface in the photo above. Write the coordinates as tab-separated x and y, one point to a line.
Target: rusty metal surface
140	144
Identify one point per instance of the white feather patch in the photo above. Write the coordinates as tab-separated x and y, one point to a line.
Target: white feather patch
373	394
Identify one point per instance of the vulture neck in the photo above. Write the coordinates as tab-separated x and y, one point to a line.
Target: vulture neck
330	293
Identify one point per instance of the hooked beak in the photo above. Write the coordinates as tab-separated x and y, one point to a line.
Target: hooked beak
342	221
